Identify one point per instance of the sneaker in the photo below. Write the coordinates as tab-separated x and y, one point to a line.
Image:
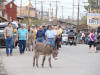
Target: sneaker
7	54
10	54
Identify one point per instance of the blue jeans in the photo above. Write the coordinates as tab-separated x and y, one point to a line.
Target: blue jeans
9	44
51	41
40	39
22	46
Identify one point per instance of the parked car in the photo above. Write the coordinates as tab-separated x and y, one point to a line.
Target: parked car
2	27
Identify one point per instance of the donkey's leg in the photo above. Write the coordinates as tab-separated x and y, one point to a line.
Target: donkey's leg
37	58
49	59
43	61
34	58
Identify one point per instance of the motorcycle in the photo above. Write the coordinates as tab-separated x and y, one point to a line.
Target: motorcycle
72	41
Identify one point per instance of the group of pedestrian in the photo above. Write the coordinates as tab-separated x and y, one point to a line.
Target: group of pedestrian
25	35
50	35
12	35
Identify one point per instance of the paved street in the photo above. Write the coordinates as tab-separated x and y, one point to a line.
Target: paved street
72	60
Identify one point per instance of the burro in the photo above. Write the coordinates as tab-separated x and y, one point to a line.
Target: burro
45	50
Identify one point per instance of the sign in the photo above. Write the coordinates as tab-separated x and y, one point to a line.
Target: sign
93	19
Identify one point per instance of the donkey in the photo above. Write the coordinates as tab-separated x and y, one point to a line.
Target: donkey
45	50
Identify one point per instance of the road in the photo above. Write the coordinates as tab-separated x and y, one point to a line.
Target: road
72	60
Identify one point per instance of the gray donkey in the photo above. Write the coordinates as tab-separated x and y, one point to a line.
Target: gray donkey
45	50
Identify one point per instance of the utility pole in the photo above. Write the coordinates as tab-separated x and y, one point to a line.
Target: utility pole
21	8
50	18
73	11
97	6
2	8
62	12
29	13
35	4
56	9
52	13
78	12
41	9
48	14
35	9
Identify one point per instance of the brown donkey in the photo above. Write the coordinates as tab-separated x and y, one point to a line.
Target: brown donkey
45	50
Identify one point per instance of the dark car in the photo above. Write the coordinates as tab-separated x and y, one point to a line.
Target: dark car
2	27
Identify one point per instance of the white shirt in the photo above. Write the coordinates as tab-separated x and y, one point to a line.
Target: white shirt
50	33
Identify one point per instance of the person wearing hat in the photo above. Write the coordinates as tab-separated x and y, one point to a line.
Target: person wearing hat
8	34
22	36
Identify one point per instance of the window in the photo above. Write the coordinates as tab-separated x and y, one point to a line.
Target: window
10	5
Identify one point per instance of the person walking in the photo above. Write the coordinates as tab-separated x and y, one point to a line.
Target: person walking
91	40
22	36
59	37
40	36
83	38
8	34
50	36
15	36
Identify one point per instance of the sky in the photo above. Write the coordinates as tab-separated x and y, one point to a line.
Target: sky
67	6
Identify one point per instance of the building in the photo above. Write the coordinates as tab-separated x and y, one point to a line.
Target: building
3	15
11	10
43	15
27	11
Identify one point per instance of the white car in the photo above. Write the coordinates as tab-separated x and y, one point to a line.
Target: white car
65	37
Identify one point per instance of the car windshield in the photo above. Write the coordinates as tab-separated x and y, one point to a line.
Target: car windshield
2	28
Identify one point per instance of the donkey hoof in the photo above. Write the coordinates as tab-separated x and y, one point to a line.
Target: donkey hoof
50	66
37	66
42	66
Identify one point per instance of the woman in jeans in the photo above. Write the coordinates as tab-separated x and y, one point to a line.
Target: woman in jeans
92	41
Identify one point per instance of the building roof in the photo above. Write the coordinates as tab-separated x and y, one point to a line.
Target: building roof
3	18
6	3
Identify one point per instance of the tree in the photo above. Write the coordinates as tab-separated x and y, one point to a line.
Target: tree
2	1
93	4
83	20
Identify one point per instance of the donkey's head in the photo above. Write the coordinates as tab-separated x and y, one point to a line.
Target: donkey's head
55	53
